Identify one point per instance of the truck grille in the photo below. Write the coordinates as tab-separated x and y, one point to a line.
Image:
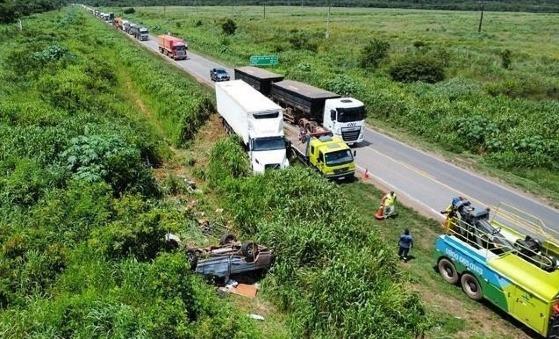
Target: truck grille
341	170
351	135
271	166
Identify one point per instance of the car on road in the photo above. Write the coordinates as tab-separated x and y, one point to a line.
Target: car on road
219	74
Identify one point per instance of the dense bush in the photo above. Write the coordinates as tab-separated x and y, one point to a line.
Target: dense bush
229	27
227	159
326	260
301	40
374	53
417	68
129	10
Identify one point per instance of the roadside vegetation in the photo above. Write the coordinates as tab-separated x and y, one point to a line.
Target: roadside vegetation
463	5
490	96
82	216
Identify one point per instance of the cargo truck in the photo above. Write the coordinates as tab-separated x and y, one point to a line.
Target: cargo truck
258	78
125	25
132	27
140	33
256	120
313	107
172	47
308	106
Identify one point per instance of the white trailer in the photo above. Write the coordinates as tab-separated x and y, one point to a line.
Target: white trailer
257	120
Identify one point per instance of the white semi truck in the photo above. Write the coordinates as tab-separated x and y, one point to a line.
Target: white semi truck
257	120
308	106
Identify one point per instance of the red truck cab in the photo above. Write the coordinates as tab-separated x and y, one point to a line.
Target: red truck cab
174	48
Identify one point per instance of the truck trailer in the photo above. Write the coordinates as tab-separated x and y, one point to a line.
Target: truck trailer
313	107
258	78
256	120
172	47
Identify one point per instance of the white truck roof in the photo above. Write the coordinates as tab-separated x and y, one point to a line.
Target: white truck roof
247	97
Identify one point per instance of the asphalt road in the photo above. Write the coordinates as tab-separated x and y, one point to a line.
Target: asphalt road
421	180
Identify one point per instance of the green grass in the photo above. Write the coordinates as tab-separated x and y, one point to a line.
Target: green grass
506	118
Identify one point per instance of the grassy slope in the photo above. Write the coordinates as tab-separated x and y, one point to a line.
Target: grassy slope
474	63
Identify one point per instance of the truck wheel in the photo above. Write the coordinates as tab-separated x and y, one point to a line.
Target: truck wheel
448	271
227	238
471	286
249	251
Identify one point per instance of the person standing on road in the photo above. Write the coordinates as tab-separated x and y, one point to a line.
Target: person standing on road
405	244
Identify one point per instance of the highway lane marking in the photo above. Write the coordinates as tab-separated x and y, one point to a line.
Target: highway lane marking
402	192
438	159
539	231
421	173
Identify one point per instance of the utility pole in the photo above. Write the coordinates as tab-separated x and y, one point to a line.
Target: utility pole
264	9
328	20
480	17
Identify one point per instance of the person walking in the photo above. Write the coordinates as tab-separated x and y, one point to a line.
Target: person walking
405	243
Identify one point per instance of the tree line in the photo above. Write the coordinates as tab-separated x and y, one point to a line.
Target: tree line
11	10
490	5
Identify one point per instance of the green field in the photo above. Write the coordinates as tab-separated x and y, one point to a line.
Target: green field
503	121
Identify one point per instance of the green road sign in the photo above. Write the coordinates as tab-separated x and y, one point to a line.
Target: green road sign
264	60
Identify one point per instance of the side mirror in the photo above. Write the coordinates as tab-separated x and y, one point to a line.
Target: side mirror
333	115
354	153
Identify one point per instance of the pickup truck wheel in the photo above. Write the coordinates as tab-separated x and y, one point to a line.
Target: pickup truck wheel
249	251
227	238
192	258
448	271
471	286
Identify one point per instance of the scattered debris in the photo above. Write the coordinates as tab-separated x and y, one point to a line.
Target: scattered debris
245	290
256	316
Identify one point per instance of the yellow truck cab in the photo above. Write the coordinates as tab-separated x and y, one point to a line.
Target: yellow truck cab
328	154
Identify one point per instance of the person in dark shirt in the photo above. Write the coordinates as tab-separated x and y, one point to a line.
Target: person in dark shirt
405	243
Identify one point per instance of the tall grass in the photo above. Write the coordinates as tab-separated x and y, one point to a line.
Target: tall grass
336	277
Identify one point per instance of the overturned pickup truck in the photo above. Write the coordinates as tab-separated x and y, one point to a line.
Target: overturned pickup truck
231	257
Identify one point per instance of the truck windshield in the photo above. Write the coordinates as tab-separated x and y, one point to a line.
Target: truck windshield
266	115
180	48
143	30
351	114
338	157
268	144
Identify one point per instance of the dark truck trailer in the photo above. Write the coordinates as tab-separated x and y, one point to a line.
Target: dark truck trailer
258	78
304	100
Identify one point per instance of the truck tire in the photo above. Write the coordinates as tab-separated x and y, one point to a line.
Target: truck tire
227	239
471	286
448	271
249	251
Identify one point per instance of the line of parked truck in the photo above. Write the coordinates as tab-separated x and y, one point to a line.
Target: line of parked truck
255	105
